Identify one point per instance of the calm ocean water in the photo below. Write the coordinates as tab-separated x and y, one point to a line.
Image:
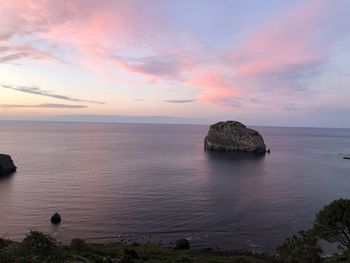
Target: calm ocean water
156	182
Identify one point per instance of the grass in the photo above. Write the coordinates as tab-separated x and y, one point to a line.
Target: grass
38	247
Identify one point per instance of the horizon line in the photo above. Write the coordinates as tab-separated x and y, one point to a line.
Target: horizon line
131	121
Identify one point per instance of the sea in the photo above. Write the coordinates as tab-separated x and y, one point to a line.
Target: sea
156	183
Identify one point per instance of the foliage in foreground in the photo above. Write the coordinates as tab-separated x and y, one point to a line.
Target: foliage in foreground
38	247
332	223
302	247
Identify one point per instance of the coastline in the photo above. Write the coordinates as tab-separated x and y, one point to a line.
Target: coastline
38	247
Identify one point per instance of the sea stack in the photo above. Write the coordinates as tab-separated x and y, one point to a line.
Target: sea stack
6	164
233	136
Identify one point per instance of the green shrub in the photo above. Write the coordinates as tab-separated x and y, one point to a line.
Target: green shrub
183	259
78	245
4	243
332	223
125	259
37	241
300	248
131	252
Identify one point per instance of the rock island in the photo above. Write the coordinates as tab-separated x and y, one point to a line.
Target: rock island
6	164
235	137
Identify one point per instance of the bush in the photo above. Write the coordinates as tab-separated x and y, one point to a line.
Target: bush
38	247
302	247
332	223
184	259
4	243
131	252
78	245
125	259
38	242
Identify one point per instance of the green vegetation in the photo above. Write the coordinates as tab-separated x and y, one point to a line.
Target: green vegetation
332	224
302	247
38	247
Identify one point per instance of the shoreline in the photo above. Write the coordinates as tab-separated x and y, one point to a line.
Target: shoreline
39	247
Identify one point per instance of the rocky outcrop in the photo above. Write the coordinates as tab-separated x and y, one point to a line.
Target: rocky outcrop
6	164
56	218
233	136
182	244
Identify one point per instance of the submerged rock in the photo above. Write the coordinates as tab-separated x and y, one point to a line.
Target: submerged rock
6	164
182	244
346	157
56	219
233	136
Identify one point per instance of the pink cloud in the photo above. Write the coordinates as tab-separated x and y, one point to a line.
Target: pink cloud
283	46
97	29
269	63
138	38
214	87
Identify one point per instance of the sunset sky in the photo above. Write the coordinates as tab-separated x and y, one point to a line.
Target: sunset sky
280	62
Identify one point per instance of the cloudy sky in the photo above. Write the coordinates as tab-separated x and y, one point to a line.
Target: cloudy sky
271	62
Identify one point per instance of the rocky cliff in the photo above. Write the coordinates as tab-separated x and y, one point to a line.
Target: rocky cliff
6	164
233	136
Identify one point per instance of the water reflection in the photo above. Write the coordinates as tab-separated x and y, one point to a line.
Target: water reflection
234	188
235	156
6	177
113	179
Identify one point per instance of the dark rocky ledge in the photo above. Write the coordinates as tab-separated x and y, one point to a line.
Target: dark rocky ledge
6	164
235	137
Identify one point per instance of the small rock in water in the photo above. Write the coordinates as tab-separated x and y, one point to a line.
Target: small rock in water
346	157
56	219
182	244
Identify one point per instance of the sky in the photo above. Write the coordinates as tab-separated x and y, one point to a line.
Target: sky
276	62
